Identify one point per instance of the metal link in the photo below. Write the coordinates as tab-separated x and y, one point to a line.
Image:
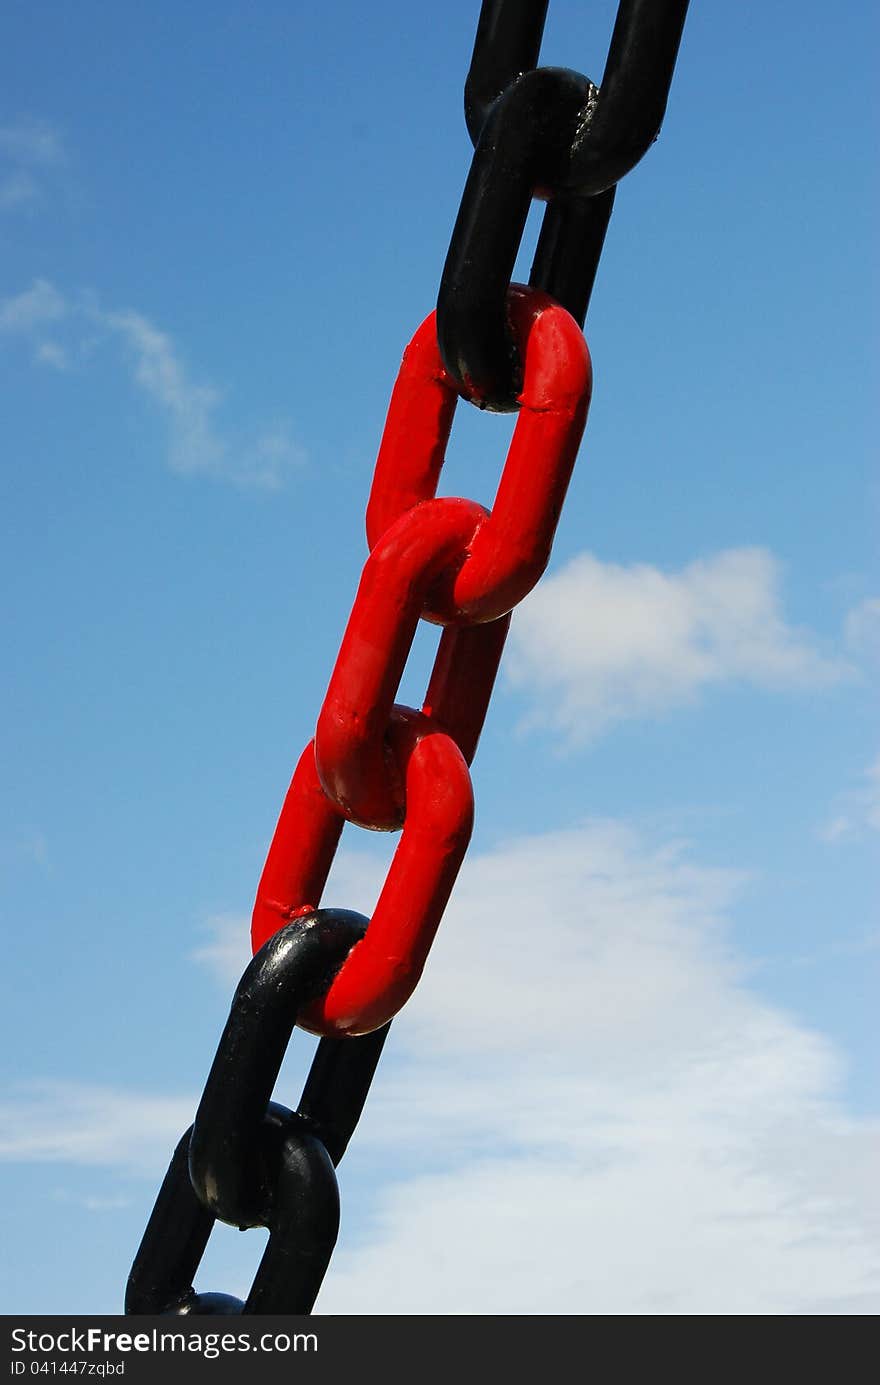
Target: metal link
550	133
382	971
510	549
507	44
621	118
569	248
232	1165
450	560
624	120
247	1160
354	765
447	560
171	1249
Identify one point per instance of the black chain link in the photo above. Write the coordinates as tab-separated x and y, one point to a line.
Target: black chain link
250	1162
549	133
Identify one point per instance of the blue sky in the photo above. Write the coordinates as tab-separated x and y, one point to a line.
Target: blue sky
220	225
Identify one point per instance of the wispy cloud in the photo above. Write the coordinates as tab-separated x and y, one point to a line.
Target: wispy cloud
27	845
92	1202
29	151
226	951
862	629
16	189
51	353
30	312
601	642
32	142
197	444
585	1082
863	946
859	809
190	409
80	1123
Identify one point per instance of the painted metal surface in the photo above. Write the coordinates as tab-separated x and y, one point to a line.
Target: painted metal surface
375	763
249	1161
451	561
549	133
382	971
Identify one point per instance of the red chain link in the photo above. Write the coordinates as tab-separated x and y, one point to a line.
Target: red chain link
450	561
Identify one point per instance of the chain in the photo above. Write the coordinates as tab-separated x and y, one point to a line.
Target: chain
553	133
251	1162
246	1160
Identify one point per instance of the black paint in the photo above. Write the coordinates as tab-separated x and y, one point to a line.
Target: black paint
251	1162
549	133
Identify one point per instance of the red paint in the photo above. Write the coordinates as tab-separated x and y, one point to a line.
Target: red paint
350	748
509	551
381	972
300	855
453	562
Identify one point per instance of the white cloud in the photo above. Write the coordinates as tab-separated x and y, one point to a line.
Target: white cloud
227	950
872	796
32	310
600	642
90	1124
27	844
594	1114
31	142
862	628
189	407
860	809
50	353
196	443
17	188
98	1203
29	150
92	1202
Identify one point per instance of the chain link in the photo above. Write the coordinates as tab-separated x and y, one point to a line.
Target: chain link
548	133
373	762
250	1161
